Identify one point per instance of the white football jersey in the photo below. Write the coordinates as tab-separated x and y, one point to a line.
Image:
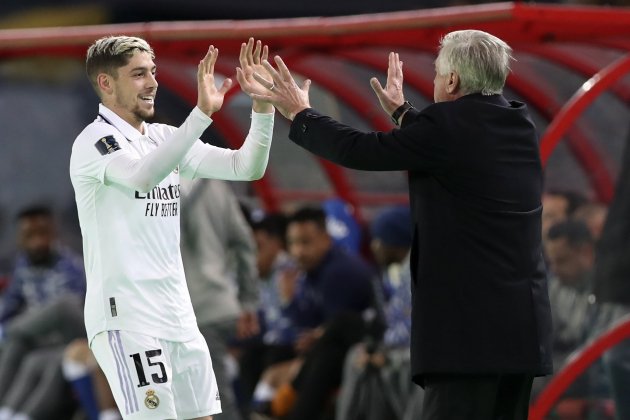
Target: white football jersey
135	277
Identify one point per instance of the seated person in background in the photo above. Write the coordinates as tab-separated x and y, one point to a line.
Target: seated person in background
325	305
39	391
570	251
219	257
275	269
88	382
342	225
558	206
41	308
593	214
389	354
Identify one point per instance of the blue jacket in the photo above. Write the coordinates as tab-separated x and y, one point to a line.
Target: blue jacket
341	282
31	286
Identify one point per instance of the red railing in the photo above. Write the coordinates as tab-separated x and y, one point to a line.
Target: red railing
537	29
576	366
589	91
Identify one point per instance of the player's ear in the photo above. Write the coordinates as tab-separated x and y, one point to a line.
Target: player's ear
104	83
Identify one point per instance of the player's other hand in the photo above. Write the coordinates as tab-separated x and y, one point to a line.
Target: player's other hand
209	97
250	59
282	91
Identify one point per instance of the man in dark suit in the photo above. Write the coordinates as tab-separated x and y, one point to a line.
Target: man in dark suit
481	324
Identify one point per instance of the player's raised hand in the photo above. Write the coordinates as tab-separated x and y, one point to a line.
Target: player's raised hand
391	96
250	59
209	97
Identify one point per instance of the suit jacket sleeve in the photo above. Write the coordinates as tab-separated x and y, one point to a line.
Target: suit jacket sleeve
420	144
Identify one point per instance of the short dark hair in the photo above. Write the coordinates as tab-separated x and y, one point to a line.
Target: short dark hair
274	225
34	211
310	214
574	231
574	199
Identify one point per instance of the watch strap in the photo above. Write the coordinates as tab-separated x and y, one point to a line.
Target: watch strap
400	110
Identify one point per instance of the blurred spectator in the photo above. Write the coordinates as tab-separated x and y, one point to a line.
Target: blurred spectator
42	309
275	343
594	216
612	285
341	224
571	253
377	373
326	305
39	391
558	206
334	281
88	382
44	270
570	248
219	257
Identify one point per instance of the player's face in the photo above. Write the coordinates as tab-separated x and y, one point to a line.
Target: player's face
307	243
134	89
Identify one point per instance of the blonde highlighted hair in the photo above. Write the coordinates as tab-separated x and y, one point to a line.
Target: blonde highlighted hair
109	53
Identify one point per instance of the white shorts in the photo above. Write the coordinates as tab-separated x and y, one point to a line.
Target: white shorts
157	379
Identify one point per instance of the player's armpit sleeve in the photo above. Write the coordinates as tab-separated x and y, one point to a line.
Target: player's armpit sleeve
145	173
245	164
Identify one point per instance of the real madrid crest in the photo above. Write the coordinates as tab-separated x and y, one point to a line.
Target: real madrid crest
151	401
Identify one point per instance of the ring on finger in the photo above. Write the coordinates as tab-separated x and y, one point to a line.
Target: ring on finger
272	87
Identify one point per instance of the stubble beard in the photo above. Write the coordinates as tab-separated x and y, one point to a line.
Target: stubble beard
139	114
143	115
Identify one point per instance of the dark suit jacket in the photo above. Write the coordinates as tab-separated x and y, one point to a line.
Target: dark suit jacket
480	302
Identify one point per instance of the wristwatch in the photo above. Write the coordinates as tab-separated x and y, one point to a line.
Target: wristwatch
401	110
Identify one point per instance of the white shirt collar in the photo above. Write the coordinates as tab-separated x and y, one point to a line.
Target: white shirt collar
123	126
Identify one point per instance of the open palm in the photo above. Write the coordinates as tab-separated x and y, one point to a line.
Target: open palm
209	97
391	96
251	59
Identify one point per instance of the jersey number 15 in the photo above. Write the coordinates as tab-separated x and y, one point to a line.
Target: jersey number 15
137	360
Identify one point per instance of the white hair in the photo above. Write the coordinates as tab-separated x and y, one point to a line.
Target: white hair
481	60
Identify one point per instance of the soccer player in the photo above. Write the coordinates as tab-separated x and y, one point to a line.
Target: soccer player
125	173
